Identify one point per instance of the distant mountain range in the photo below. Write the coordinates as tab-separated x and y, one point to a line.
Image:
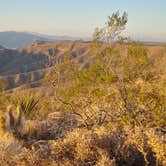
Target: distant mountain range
15	39
12	39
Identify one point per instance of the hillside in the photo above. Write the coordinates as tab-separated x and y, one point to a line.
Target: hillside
29	64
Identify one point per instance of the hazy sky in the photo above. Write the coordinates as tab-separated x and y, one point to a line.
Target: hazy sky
147	18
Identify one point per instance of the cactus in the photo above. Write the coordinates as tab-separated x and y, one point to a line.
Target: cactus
15	122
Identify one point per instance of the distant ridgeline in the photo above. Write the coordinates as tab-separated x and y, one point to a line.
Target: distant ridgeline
12	39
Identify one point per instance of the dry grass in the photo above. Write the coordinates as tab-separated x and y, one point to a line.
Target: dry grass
100	146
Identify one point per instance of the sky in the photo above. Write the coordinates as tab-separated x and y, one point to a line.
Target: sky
147	18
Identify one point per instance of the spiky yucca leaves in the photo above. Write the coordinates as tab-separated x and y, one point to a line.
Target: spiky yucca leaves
27	104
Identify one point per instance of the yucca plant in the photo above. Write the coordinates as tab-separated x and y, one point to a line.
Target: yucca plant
27	104
24	106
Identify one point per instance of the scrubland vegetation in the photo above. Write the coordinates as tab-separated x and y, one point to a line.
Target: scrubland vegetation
111	112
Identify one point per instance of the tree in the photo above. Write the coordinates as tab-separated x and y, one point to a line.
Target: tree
115	87
114	26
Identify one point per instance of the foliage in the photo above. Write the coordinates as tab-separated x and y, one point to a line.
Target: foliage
119	87
113	28
27	103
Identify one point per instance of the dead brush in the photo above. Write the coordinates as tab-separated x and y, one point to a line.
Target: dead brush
96	146
157	143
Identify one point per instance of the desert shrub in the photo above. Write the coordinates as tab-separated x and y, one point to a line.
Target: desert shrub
120	86
104	145
96	146
126	91
156	141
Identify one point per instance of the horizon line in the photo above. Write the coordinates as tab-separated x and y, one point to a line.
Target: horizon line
137	38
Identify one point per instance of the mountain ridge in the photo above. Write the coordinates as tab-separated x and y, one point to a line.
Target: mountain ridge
16	39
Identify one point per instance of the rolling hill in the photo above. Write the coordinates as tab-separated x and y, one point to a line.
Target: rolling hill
29	65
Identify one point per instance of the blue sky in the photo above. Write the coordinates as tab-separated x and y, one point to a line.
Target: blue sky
147	18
